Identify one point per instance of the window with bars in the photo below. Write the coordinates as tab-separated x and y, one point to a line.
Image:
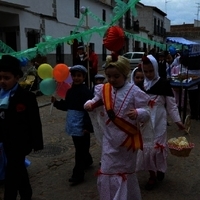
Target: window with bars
77	8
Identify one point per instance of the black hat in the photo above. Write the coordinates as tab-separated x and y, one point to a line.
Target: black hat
10	64
79	68
99	76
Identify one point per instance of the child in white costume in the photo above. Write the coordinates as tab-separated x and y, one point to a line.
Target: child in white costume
97	115
162	102
123	104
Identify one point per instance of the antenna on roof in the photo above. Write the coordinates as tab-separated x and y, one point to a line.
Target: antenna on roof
166	6
198	10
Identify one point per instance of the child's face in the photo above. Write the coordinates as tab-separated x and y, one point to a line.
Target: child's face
114	77
8	80
99	81
149	71
78	77
138	78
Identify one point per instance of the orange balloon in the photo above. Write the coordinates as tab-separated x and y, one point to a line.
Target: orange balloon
60	72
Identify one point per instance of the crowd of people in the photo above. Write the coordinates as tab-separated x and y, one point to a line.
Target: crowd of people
177	66
127	114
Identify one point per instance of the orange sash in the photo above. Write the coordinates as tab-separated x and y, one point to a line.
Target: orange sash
134	137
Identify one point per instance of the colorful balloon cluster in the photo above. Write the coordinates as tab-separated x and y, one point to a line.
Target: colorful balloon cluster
55	79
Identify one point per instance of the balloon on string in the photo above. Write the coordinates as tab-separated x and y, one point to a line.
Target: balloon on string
114	38
62	89
69	79
60	72
47	86
45	71
172	50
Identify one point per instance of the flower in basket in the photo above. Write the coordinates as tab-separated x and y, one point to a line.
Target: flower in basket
20	107
179	142
180	146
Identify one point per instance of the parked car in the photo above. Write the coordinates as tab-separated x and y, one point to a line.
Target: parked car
134	57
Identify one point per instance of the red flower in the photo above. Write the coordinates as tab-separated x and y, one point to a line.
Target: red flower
20	107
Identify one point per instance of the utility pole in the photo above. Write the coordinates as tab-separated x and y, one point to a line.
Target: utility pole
198	10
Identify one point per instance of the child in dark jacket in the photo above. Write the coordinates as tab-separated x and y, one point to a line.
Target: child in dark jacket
20	128
78	124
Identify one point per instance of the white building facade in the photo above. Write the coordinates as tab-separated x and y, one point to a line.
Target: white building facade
23	23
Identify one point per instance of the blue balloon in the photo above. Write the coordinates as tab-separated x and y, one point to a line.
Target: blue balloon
23	62
48	86
172	50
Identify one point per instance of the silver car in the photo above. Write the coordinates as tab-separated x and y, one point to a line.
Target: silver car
134	57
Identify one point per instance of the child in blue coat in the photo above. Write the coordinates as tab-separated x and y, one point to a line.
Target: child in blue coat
78	124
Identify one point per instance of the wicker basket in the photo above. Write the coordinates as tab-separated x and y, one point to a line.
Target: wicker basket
181	152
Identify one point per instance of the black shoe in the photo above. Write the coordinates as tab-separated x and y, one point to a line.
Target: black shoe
160	175
76	180
150	184
87	165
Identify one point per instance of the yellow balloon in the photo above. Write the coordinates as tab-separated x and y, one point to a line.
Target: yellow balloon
45	71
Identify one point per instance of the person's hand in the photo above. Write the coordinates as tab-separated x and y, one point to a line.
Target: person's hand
132	114
53	99
180	125
88	106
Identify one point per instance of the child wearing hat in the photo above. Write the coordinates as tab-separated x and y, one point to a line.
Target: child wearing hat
78	124
123	105
20	128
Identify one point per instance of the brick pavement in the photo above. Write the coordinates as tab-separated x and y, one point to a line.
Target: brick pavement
49	173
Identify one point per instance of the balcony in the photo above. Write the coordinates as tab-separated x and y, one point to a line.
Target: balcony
16	3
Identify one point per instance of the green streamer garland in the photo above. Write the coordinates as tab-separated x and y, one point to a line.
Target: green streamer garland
5	48
49	44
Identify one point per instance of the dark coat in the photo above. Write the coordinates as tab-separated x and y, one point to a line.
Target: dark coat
75	99
162	69
20	124
161	87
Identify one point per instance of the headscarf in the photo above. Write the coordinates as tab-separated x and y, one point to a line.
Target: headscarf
132	75
149	83
120	63
157	85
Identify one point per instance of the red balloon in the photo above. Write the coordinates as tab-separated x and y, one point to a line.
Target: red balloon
62	89
60	72
114	39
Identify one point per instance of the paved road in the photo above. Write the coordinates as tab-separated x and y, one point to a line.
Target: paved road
51	168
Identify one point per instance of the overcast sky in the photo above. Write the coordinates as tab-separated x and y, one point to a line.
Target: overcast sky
178	11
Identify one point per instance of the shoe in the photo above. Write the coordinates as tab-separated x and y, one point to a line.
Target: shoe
76	180
150	184
160	175
87	165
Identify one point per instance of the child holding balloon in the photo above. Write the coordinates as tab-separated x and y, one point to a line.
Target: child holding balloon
78	124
